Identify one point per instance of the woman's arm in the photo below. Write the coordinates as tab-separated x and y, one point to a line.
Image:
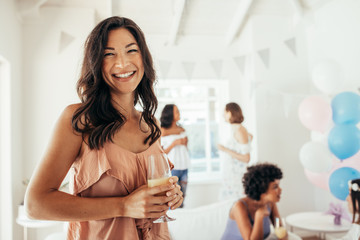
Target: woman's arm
241	157
249	232
242	137
43	200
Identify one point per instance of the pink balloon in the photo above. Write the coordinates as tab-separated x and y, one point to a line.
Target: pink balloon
353	162
320	180
315	113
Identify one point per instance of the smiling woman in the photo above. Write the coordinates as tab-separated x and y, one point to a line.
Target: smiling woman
105	142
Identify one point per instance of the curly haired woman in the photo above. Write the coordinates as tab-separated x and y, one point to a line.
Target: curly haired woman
251	216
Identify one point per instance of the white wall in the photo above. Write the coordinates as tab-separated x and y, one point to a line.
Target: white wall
10	49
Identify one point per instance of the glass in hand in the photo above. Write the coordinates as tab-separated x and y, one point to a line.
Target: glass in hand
158	174
280	231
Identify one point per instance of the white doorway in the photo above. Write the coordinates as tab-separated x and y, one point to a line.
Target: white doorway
6	218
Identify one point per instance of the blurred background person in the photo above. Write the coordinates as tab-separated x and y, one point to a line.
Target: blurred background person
235	154
174	142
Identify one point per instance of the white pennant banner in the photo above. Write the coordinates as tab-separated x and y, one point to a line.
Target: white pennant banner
217	66
164	68
291	44
65	40
240	62
265	56
189	68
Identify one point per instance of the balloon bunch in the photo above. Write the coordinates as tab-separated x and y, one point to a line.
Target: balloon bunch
332	157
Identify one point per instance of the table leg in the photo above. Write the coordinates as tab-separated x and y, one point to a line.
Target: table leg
25	233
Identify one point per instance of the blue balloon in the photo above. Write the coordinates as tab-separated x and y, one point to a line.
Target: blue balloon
338	181
346	108
344	141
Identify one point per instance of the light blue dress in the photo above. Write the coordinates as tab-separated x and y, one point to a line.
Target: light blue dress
232	231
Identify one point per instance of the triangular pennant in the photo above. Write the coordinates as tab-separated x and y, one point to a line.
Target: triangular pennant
164	68
264	55
291	44
217	66
65	40
189	68
287	101
240	62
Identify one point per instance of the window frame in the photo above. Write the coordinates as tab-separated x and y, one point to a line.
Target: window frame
220	98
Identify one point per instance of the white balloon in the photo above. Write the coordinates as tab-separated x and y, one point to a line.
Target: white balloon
327	76
319	137
316	157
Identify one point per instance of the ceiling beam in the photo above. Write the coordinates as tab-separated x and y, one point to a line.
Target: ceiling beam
297	7
30	8
176	22
238	20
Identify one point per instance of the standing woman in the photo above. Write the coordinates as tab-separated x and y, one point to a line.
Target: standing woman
236	153
174	141
105	142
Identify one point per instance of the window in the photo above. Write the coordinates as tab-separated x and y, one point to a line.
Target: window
201	105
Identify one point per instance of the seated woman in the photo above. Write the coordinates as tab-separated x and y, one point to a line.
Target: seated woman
353	200
251	216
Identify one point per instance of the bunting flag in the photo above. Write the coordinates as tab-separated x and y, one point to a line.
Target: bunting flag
265	55
287	102
65	40
189	68
217	66
164	68
291	44
240	62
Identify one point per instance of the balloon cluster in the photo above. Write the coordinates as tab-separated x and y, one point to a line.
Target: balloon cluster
332	157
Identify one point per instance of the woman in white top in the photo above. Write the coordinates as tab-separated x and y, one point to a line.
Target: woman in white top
174	142
353	200
236	153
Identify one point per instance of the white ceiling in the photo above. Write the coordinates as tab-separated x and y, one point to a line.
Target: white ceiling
177	18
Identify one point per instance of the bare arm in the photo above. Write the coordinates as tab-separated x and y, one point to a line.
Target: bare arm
43	200
241	157
249	232
242	137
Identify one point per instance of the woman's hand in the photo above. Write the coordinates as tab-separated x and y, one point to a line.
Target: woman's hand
176	202
180	141
147	202
221	147
262	211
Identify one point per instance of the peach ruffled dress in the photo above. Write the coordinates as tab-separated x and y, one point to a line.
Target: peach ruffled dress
107	172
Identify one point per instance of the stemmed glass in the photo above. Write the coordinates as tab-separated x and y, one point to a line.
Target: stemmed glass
280	231
158	174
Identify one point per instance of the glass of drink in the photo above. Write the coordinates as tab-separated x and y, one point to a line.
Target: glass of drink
280	231
158	174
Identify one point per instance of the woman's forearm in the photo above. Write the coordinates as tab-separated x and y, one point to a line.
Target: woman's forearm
60	206
245	158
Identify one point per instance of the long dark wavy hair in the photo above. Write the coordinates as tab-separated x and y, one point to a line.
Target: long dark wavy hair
236	112
355	199
96	117
167	116
258	177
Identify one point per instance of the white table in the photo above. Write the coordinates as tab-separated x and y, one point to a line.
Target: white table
26	222
317	222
